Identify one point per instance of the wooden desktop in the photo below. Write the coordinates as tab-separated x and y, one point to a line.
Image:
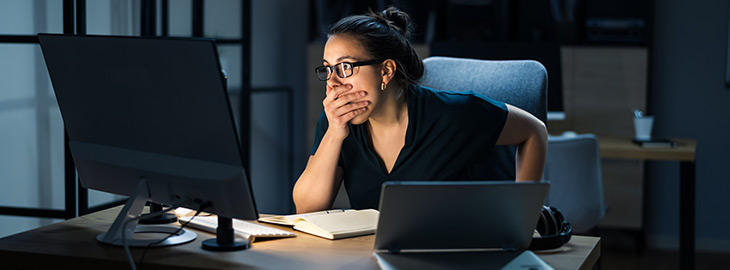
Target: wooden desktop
73	244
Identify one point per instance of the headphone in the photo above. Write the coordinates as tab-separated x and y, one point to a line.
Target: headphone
554	230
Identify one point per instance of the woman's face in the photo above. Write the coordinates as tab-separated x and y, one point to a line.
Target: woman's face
368	78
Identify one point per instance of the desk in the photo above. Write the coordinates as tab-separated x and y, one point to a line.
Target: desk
73	243
684	152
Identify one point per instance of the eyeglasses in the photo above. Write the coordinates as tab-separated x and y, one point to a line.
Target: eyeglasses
343	69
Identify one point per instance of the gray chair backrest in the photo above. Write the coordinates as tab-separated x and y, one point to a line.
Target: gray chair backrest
573	169
521	83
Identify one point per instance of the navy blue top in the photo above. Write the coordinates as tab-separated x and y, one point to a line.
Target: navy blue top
448	133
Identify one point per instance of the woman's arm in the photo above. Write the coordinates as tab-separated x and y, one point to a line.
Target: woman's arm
530	135
318	185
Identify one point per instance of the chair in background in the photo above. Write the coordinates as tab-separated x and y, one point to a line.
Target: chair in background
521	83
573	168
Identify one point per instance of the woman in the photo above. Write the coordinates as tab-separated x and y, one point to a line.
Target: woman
378	126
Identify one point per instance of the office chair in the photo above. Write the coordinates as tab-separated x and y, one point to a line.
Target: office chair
521	83
573	168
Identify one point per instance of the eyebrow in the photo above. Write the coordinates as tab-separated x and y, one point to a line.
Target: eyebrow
341	58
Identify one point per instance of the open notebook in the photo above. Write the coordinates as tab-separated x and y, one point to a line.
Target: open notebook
331	224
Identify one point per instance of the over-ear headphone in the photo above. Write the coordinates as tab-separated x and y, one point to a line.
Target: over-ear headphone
554	230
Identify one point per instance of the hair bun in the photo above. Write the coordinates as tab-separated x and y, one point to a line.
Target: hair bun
384	35
398	20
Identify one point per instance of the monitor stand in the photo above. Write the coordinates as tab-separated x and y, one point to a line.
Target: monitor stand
125	225
225	239
165	218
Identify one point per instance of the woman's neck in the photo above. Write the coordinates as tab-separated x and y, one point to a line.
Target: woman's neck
393	110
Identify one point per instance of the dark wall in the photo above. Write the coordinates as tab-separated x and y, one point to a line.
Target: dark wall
690	99
278	55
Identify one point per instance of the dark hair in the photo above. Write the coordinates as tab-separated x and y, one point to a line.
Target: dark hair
385	35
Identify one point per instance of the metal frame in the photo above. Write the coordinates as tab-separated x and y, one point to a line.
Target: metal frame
74	22
70	25
727	59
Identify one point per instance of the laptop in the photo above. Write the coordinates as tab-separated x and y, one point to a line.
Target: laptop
462	224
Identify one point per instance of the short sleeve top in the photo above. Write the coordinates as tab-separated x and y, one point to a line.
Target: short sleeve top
448	132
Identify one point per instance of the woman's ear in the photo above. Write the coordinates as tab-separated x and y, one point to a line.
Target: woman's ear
388	70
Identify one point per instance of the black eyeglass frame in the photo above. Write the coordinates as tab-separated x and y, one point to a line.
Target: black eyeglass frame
333	69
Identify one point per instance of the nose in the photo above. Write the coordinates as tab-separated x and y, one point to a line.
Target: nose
334	81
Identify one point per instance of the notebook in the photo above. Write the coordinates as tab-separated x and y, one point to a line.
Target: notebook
457	218
331	224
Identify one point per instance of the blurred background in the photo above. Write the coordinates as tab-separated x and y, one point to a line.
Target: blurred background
604	57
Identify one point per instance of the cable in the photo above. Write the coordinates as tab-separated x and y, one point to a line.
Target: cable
200	209
127	252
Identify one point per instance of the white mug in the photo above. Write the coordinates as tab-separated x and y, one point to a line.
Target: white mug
642	127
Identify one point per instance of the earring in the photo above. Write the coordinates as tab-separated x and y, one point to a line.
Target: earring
383	86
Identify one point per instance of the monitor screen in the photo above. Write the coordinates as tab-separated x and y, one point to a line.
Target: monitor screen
150	109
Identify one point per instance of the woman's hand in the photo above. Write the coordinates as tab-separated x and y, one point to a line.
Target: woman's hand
342	105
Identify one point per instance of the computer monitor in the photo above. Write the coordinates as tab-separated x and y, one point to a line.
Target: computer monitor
149	118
